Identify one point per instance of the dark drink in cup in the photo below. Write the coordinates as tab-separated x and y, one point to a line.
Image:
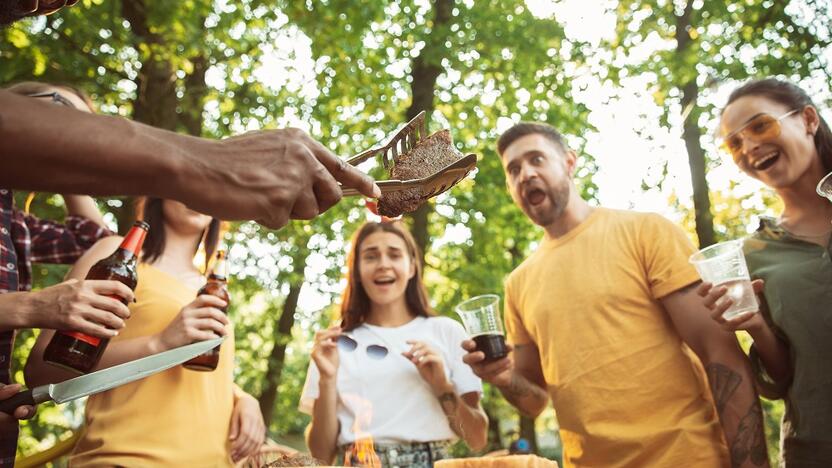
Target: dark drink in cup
493	345
481	317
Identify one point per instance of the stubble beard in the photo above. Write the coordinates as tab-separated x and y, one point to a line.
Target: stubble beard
559	198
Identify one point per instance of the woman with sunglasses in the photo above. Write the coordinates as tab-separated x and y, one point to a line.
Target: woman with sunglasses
392	371
774	133
178	417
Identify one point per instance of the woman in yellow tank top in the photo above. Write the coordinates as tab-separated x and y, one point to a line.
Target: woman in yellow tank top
178	417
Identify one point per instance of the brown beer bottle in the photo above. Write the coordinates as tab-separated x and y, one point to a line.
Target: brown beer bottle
216	285
79	352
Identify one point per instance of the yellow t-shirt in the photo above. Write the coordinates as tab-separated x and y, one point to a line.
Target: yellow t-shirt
177	417
626	390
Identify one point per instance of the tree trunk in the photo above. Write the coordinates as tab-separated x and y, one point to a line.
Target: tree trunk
192	104
155	102
282	336
692	134
527	431
425	70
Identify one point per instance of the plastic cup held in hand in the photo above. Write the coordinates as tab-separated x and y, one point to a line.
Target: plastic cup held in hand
723	264
481	317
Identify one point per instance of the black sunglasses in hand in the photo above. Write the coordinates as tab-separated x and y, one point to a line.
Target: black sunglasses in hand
374	351
56	98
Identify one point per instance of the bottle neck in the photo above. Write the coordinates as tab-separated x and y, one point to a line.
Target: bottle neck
134	239
218	271
217	278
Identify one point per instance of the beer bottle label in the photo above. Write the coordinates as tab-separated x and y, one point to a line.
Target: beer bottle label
82	337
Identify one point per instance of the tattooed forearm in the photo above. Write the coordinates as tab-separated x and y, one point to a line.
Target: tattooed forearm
519	387
724	383
450	404
525	395
750	442
739	412
448	401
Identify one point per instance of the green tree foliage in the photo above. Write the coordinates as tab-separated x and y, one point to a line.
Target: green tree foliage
349	73
688	48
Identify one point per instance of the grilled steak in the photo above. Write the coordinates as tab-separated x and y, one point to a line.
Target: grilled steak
426	158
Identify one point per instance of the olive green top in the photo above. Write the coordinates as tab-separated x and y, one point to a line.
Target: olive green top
798	292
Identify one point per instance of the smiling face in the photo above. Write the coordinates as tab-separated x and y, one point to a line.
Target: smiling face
539	177
385	267
777	158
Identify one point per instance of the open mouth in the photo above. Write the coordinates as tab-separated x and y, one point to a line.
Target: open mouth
384	281
535	196
766	161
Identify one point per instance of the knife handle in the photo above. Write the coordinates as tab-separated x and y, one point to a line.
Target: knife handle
23	398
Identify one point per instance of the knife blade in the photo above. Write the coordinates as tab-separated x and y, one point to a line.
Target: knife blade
108	378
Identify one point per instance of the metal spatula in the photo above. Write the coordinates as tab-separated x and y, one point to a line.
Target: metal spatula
431	185
400	143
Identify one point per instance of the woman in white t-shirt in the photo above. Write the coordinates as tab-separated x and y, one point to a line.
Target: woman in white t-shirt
392	371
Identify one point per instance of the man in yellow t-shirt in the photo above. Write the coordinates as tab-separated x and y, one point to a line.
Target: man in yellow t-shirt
603	318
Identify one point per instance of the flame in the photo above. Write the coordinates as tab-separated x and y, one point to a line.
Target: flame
362	450
363	453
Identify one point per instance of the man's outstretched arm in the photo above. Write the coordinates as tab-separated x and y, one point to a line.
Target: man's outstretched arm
269	176
729	375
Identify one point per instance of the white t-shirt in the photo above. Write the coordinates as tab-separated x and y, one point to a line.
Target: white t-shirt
387	398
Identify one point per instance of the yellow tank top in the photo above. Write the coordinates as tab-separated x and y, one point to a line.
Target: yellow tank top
178	417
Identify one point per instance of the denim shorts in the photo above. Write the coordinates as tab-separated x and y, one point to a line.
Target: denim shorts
402	455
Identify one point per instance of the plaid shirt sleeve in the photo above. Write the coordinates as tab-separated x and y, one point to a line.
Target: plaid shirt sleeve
53	242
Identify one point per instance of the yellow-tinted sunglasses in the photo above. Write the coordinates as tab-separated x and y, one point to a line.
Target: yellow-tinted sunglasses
761	128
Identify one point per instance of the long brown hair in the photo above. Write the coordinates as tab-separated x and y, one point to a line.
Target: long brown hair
355	303
28	88
149	209
793	97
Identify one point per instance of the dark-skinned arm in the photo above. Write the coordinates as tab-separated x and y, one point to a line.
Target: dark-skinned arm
269	176
729	376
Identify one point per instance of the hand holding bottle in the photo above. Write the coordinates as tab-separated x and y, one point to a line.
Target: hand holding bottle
87	306
202	319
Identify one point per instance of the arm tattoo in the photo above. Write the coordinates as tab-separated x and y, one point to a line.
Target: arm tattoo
519	387
449	403
724	382
750	441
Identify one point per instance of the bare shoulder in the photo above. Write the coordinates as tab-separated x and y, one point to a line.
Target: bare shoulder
101	249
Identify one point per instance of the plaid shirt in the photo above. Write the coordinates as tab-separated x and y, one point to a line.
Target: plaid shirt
25	239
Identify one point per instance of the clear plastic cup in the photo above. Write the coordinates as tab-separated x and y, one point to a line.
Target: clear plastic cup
824	187
723	264
481	317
